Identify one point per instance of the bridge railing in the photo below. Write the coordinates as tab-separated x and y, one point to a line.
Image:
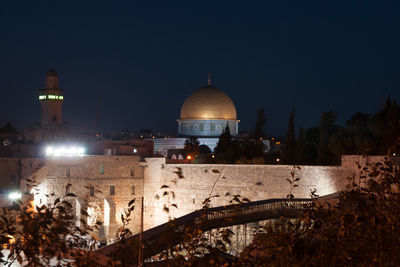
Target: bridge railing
157	239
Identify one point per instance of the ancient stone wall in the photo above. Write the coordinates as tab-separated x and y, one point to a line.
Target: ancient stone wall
176	188
103	186
163	187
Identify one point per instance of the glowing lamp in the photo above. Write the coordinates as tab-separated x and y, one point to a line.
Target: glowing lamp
14	195
189	157
71	151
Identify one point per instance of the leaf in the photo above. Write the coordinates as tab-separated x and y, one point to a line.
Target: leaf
179	172
157	197
56	201
164	186
287	179
19	259
215	171
70	195
131	202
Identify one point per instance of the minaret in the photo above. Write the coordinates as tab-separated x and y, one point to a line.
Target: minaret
51	98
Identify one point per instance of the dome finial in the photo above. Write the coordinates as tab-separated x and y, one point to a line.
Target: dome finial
209	78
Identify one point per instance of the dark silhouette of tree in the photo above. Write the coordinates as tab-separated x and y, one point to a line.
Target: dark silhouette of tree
289	149
249	152
192	147
354	139
327	128
224	151
260	122
384	126
300	154
312	140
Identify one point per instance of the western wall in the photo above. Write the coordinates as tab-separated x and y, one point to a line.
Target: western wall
163	187
104	185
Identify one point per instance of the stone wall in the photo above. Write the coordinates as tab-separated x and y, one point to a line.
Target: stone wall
81	175
180	188
255	182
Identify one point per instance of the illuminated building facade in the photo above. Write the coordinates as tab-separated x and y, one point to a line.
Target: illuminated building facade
204	114
51	99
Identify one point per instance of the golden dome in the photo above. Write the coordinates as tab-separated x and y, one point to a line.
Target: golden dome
208	103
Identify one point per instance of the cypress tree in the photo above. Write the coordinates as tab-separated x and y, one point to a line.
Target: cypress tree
326	130
224	151
300	155
260	122
290	142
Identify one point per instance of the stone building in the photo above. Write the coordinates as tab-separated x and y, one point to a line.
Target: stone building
204	115
104	185
51	98
100	185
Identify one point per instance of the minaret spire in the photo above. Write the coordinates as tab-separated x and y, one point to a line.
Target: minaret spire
209	78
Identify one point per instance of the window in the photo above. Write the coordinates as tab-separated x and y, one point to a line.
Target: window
91	191
132	172
133	190
68	189
101	169
112	190
212	127
68	172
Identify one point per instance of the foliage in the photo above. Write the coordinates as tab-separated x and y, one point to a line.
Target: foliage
363	134
261	120
300	154
327	128
290	142
192	147
44	235
224	151
238	151
361	229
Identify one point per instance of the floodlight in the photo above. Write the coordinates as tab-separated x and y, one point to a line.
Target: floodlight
14	195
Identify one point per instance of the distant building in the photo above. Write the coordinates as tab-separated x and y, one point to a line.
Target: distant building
51	99
204	114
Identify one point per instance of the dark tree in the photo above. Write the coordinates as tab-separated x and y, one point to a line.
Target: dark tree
326	129
384	126
260	122
224	151
312	141
289	149
192	147
301	155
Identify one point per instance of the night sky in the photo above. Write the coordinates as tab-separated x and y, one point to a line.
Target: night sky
146	57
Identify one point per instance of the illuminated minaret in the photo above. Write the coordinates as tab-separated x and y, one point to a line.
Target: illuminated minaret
51	98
